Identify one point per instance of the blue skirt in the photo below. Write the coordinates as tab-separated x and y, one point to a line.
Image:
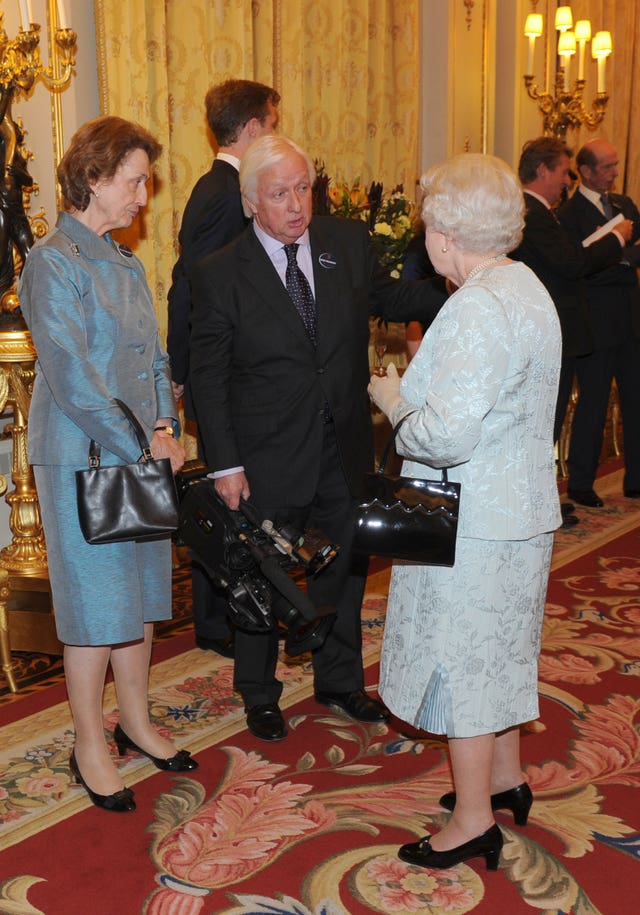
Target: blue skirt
102	593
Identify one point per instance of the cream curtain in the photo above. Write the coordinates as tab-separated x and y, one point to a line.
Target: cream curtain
347	71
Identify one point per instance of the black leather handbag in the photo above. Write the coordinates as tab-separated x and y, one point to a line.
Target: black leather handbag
406	518
127	501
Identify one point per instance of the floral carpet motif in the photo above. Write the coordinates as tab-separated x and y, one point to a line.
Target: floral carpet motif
311	825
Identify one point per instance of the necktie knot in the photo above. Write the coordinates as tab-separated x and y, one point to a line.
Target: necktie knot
606	205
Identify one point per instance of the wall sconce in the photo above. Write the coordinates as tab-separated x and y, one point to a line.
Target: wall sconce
564	107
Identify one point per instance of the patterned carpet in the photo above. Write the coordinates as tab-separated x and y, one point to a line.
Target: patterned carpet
311	825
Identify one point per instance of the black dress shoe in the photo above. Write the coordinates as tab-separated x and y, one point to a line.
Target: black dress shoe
632	493
266	722
518	800
588	497
567	508
180	762
120	802
225	647
357	704
569	521
487	846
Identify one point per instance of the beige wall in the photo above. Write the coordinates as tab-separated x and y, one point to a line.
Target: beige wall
474	59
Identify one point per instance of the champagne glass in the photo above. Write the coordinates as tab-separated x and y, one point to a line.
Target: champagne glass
380	348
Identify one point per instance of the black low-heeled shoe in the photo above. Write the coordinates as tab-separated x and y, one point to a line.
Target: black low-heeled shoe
518	800
120	802
487	846
181	762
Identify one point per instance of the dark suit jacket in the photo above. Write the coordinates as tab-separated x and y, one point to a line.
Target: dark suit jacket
561	263
259	385
212	218
613	294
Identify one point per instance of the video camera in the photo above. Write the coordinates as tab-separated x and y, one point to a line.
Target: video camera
253	562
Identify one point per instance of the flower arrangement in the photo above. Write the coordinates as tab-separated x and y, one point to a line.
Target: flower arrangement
393	229
390	217
351	202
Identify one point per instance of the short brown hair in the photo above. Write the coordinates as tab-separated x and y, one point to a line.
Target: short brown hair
95	152
541	151
231	104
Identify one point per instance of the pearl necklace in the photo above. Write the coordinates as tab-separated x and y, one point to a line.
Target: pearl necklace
486	263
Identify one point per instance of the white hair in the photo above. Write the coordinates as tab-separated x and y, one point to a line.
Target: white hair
263	153
477	201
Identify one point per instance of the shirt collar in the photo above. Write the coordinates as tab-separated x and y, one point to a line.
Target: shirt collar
232	160
538	197
271	244
592	196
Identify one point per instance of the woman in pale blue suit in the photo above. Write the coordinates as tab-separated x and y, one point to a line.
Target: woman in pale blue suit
90	312
461	645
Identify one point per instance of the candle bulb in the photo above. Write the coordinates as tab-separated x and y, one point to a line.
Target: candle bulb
533	30
63	15
601	81
566	48
24	15
532	45
581	60
29	12
601	47
583	35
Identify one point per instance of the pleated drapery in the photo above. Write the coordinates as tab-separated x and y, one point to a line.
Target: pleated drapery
347	71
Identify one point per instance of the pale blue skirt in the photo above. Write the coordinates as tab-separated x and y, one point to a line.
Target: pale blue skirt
461	645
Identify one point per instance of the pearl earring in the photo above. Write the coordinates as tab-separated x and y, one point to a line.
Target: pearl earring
444	249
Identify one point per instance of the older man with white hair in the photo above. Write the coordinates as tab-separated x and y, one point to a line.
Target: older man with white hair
279	367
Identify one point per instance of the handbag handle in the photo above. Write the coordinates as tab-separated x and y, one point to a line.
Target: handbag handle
389	446
143	441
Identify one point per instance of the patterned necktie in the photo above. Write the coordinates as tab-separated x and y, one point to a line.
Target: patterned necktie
606	206
300	292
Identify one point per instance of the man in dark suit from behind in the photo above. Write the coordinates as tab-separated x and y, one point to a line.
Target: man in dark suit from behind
559	260
281	393
238	112
613	296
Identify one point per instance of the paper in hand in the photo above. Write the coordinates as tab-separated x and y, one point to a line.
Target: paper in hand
602	231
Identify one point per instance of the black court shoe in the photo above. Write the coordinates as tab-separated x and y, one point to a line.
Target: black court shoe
181	762
487	846
120	802
518	800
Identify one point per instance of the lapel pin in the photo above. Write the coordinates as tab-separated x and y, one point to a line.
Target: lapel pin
327	261
124	251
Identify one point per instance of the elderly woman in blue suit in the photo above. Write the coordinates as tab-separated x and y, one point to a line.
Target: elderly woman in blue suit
90	312
461	644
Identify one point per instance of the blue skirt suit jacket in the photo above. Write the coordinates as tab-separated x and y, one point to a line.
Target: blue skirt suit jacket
90	312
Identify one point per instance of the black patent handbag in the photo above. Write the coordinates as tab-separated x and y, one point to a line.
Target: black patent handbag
127	501
406	518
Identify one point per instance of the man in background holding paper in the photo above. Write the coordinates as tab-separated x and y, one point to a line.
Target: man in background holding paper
613	297
560	261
